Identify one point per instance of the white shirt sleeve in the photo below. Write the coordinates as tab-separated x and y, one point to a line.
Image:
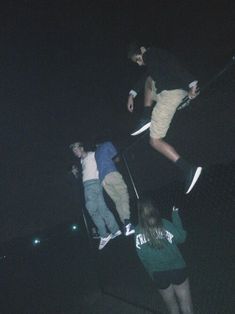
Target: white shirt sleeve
193	84
133	93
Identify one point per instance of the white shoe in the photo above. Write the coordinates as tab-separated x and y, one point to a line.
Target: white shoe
144	122
116	234
129	229
141	129
193	178
104	241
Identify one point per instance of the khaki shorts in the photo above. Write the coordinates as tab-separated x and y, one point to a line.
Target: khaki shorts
164	110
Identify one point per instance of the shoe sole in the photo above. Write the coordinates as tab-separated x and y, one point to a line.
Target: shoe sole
129	233
142	129
116	235
195	178
110	238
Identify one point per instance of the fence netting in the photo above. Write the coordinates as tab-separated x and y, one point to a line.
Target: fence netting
204	134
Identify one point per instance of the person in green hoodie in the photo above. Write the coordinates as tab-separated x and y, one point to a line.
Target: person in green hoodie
156	241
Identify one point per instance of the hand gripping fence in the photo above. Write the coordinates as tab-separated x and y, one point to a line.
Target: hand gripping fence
186	101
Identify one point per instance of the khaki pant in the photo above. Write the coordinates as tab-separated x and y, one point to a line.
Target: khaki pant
164	110
116	188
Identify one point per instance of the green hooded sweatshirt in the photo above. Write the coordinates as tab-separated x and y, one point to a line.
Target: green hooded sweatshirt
168	257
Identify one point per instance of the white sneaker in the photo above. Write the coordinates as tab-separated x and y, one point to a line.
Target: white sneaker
141	129
116	234
192	178
129	229
104	241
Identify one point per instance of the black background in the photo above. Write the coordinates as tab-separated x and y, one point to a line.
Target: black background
65	76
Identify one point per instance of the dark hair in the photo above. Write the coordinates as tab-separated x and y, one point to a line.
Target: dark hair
87	145
133	49
150	221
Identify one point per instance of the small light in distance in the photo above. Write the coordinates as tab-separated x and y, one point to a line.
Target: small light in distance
36	242
74	227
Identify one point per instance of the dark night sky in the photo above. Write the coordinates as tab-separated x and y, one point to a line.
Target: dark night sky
64	75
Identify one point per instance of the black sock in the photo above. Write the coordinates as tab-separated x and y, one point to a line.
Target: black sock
147	111
126	222
184	166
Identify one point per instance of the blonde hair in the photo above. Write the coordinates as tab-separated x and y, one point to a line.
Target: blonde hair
76	144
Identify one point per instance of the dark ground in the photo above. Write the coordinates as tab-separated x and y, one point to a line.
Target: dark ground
65	76
67	274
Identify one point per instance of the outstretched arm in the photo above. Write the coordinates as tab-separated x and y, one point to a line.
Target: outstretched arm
177	227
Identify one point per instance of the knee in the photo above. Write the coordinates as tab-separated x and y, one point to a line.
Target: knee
155	142
148	83
91	208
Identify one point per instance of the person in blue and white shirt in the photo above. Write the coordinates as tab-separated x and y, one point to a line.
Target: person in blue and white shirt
100	214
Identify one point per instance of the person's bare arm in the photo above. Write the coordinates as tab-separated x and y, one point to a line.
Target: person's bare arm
130	103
